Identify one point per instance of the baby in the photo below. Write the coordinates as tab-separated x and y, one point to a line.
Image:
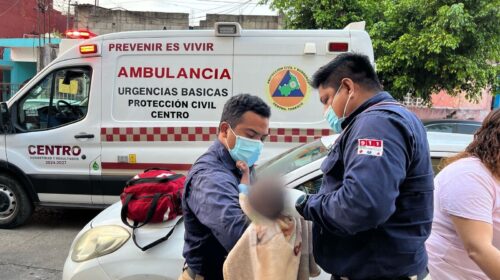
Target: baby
265	196
273	246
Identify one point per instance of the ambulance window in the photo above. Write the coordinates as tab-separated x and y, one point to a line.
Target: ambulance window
60	98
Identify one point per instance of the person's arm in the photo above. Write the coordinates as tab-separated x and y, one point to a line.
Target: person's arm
477	238
214	199
371	182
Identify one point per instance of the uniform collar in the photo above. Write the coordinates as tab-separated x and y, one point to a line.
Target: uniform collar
224	156
377	98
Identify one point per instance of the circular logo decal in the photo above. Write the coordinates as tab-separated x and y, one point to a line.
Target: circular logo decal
288	88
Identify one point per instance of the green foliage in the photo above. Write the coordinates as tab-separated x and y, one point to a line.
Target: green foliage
313	14
421	46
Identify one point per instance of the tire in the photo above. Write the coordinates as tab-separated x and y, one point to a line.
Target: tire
15	205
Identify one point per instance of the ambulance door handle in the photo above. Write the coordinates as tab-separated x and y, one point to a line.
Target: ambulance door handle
84	136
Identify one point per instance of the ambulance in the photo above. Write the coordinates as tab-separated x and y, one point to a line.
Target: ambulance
117	104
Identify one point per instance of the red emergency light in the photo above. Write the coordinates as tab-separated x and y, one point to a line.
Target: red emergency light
79	34
338	47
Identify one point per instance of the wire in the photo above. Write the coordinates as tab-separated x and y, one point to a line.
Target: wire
251	11
238	7
244	7
220	12
191	1
225	10
9	8
212	10
222	1
132	1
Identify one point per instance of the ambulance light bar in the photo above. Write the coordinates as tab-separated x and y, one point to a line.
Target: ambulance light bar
88	49
227	29
79	34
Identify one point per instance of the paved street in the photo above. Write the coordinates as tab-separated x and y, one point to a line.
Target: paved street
38	249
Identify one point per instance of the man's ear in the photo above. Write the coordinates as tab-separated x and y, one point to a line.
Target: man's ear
348	84
223	129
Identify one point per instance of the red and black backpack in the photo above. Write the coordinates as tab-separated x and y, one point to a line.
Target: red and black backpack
153	196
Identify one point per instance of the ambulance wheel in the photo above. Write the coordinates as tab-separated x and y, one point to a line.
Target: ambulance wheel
15	206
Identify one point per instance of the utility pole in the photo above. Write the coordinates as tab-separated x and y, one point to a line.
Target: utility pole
49	9
191	22
68	14
76	23
42	7
39	39
38	24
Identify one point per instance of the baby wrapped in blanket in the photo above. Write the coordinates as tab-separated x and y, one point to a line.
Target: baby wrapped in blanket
277	245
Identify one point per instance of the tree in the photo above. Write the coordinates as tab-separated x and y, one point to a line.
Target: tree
421	46
315	14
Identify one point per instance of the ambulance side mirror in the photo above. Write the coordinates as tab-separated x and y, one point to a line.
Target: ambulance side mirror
5	123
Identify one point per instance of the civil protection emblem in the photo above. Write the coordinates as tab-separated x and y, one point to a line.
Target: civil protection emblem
288	88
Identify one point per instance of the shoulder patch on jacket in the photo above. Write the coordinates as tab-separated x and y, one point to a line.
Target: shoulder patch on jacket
371	147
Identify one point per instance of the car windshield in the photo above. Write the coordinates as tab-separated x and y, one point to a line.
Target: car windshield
293	159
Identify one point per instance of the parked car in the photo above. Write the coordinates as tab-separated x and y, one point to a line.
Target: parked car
104	250
452	126
443	145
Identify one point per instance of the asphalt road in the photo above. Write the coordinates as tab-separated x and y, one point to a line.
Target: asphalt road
37	250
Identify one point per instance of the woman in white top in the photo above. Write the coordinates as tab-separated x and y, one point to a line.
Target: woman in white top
465	237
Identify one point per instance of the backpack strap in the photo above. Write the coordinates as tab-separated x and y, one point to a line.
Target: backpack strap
162	179
149	215
154	243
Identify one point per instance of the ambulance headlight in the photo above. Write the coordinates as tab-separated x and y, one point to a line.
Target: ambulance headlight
99	241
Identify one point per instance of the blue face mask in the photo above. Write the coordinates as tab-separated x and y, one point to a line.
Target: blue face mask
245	149
333	120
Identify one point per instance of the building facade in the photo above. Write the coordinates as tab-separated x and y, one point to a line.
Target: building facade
26	26
246	21
102	21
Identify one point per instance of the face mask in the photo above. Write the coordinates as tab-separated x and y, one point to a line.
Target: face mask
333	120
245	149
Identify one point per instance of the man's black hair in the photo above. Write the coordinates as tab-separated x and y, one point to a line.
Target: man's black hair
239	104
355	66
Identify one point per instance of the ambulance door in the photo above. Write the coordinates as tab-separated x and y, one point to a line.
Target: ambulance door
57	131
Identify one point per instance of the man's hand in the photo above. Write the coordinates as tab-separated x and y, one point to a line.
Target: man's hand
300	204
242	166
245	172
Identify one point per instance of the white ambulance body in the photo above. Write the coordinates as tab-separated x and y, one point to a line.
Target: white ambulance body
119	103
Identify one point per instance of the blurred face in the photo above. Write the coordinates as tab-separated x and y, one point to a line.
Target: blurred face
252	126
266	196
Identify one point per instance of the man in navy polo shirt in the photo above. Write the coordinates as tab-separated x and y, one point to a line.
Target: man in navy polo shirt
373	212
213	218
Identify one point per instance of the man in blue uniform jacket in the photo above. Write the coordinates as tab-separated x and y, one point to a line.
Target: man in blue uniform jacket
213	219
373	212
